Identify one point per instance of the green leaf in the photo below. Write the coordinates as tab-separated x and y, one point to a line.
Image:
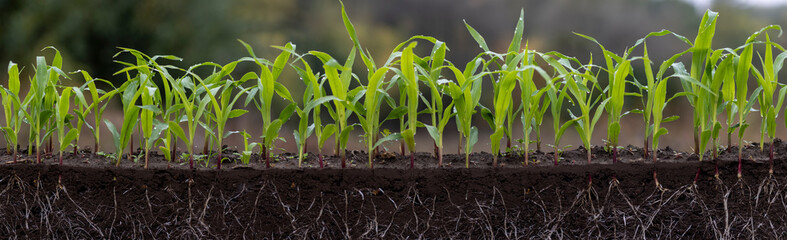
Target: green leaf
397	113
670	119
433	132
472	139
390	137
478	38
236	113
327	132
344	136
272	132
177	130
70	137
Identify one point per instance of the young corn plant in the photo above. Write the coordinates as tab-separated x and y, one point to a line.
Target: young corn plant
369	115
339	85
509	60
502	104
190	98
248	148
466	93
557	93
618	69
122	137
700	60
531	97
13	109
263	94
706	99
61	117
304	129
150	98
100	100
743	63
428	69
222	105
582	86
768	81
651	84
41	99
322	133
413	95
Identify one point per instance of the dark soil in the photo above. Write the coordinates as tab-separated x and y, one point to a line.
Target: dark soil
91	198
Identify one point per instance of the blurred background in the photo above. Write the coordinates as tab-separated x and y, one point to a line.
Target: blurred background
88	32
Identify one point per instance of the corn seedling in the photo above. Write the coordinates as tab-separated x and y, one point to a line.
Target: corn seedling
100	100
61	117
413	95
700	59
322	133
339	85
618	69
13	109
466	93
743	63
190	98
40	100
582	86
263	94
248	148
768	80
149	97
428	71
222	105
531	100
557	94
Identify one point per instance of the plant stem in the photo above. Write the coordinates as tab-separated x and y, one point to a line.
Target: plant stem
589	155
440	157
696	142
15	153
556	157
494	160
191	161
401	147
76	150
95	149
697	176
740	161
344	160
61	158
527	159
300	156
265	156
614	154
319	156
38	156
646	148
412	159
218	160
437	155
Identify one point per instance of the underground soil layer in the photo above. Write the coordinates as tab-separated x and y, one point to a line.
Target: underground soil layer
89	197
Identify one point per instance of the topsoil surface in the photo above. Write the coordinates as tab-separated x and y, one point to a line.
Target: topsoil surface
88	197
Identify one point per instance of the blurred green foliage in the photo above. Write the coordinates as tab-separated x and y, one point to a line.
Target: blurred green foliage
88	31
